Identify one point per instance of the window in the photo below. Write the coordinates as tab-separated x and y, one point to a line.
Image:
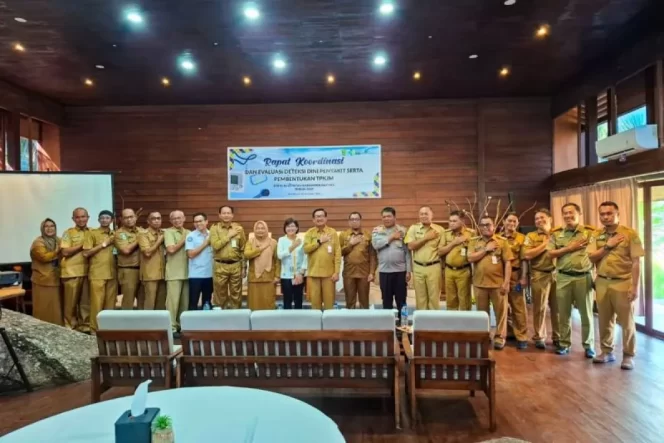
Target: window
632	119
602	130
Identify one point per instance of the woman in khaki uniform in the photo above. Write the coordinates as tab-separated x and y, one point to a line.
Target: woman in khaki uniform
46	296
264	268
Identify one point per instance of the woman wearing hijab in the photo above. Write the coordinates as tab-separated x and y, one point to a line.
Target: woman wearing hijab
46	297
264	268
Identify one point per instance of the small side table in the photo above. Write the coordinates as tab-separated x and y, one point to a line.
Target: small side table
14	292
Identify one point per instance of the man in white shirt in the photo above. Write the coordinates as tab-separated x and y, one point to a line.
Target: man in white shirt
200	256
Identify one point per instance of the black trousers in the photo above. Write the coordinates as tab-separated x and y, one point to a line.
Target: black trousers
292	293
393	286
196	287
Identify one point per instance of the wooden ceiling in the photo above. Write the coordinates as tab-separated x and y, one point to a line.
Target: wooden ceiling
65	39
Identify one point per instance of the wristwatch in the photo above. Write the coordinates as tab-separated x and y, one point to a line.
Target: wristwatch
607	247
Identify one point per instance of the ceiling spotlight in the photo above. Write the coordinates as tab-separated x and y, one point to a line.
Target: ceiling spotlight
20	19
417	75
135	17
100	66
252	12
216	43
19	47
331	79
114	45
542	31
473	56
165	81
88	82
188	65
510	2
380	60
430	37
386	8
246	80
504	72
279	63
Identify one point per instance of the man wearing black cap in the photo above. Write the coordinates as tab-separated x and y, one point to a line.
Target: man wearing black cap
98	248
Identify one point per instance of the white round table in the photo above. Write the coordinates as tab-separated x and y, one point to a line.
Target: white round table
204	414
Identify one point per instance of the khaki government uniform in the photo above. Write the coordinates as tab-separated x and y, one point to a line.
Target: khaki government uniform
427	270
324	260
46	296
360	261
488	277
542	287
262	290
574	284
129	267
518	315
152	271
177	275
73	273
458	272
101	274
228	265
612	286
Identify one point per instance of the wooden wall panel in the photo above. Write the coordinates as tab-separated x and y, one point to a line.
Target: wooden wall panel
29	103
175	157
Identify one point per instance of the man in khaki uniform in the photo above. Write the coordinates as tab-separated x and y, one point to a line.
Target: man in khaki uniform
542	283
151	244
321	244
74	272
98	249
616	250
129	259
454	247
177	268
424	240
228	240
360	262
568	245
518	315
492	257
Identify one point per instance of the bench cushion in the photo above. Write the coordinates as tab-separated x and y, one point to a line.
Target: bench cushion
359	319
112	320
458	321
226	320
286	320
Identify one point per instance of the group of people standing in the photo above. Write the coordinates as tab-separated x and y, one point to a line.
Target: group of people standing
177	269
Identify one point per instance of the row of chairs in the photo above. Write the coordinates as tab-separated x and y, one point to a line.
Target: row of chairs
335	349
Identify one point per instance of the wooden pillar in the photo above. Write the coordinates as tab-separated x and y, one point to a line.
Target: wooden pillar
14	141
581	140
612	110
481	147
655	98
30	150
591	131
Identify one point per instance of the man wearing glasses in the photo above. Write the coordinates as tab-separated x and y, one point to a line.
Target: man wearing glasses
199	252
359	262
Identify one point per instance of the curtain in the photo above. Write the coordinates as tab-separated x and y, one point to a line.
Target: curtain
622	192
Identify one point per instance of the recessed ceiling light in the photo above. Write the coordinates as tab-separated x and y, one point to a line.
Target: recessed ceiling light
504	71
165	81
20	19
431	36
542	31
88	82
246	80
386	8
279	63
216	43
417	75
135	17
19	47
188	65
510	2
100	66
252	12
331	79
114	45
380	60
473	56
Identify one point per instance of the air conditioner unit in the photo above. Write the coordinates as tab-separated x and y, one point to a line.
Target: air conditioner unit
628	142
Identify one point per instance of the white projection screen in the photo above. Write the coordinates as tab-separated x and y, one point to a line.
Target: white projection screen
26	199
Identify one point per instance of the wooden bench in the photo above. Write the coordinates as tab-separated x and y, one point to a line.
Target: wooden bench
447	354
134	346
14	292
359	360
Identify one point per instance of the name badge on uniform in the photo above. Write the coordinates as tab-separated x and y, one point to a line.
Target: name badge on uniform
329	249
463	252
234	243
494	259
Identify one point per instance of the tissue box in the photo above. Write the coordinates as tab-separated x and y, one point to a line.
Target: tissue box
135	429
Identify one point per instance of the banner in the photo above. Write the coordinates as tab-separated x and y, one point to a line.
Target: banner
302	173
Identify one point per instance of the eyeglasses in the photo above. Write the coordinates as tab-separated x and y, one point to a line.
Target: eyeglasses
355	219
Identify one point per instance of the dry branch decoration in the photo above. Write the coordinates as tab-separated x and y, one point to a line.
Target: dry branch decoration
470	212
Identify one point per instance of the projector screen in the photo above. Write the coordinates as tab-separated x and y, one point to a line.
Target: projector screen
26	199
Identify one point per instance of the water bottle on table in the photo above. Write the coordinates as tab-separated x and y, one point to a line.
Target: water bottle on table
336	305
404	316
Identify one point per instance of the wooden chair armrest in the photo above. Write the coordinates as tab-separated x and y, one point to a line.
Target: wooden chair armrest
406	346
175	354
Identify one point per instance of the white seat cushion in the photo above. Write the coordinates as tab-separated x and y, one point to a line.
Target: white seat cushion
359	319
224	320
112	320
458	321
286	320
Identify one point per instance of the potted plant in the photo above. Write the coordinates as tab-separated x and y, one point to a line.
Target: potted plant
162	429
